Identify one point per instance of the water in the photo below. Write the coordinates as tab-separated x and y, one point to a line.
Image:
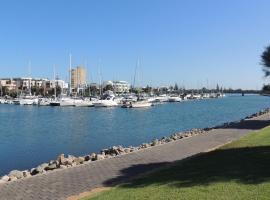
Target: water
31	135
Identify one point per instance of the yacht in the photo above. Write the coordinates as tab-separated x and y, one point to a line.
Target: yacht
44	102
83	103
141	104
28	100
174	98
162	98
107	102
66	101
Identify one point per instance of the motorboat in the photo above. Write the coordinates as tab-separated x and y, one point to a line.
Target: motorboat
83	103
44	102
141	104
107	102
28	100
174	98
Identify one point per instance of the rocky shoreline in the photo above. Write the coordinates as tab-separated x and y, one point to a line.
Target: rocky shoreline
63	162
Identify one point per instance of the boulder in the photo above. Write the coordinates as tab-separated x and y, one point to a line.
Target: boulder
16	173
12	178
127	150
26	173
5	178
79	160
99	157
41	168
51	167
87	158
155	142
61	158
93	156
63	167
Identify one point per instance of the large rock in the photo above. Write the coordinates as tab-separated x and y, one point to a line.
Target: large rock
61	159
93	156
5	178
87	158
12	178
51	167
26	173
155	142
16	173
79	160
63	167
99	157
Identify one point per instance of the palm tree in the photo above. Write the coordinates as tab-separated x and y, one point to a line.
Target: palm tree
265	59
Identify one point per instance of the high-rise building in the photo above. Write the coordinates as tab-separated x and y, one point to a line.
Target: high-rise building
78	77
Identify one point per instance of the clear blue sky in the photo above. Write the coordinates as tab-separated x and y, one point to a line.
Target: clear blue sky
182	41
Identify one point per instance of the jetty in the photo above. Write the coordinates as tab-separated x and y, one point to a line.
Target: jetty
70	182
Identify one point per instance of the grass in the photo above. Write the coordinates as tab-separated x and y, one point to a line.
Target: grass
239	170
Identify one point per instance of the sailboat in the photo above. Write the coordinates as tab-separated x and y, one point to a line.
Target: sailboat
107	100
28	99
139	103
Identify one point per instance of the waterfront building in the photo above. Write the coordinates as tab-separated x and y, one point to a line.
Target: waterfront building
78	78
117	86
8	83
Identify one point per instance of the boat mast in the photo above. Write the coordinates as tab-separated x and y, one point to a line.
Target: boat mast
135	74
70	89
100	86
54	81
29	71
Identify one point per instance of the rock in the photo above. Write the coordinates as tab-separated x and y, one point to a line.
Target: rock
26	173
168	140
16	173
108	156
79	160
99	157
41	168
12	178
127	150
63	167
69	160
5	178
87	158
33	171
51	167
61	158
93	156
144	145
155	142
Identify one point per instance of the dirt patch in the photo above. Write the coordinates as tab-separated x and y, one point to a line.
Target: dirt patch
88	193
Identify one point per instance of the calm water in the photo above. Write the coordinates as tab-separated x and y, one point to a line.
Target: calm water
32	135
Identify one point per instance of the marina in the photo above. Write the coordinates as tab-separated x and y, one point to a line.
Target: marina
32	135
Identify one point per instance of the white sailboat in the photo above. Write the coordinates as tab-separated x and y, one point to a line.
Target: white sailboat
28	99
139	103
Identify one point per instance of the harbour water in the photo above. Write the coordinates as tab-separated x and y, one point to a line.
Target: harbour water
31	135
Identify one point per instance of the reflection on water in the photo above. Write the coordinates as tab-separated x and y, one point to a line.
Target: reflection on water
32	135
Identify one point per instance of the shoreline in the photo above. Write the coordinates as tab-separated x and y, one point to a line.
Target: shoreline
63	162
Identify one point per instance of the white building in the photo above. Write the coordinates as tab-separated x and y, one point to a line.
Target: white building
118	86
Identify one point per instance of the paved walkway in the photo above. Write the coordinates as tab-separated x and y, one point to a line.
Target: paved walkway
60	184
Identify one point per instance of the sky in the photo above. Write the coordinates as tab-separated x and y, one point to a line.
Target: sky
189	42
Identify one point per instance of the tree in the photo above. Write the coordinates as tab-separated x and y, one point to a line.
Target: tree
107	88
217	88
175	87
265	61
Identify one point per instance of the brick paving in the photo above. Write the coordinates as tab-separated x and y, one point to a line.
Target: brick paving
60	184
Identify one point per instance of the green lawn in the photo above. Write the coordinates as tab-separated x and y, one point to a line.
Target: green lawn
239	170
